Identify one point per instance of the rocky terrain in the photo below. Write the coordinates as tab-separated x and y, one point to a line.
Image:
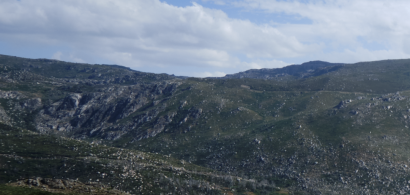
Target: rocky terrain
315	128
65	186
305	70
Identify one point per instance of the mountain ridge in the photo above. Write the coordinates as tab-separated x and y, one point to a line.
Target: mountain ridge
304	70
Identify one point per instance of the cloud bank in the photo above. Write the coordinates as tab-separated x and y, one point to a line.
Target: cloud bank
151	35
349	30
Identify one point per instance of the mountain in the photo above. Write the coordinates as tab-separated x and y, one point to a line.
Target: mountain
315	128
308	69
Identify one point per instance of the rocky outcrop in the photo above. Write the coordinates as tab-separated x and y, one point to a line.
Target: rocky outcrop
11	95
343	104
158	126
4	118
31	104
109	113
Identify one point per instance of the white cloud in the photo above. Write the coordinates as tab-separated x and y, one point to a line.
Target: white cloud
362	54
258	64
153	36
57	55
343	27
146	33
209	74
74	58
217	2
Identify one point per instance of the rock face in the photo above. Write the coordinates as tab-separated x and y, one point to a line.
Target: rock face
11	95
95	113
343	104
4	118
158	127
31	104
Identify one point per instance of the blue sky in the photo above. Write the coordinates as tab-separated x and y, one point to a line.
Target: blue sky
205	37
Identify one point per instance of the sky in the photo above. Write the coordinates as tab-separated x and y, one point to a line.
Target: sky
205	38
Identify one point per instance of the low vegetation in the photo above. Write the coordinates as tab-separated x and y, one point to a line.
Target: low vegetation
317	128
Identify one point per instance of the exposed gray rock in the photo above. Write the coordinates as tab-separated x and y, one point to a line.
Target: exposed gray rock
11	95
4	118
31	104
99	112
158	127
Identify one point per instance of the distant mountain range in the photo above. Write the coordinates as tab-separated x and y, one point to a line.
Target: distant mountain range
308	69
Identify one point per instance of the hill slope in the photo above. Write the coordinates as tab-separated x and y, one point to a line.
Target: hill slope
318	128
305	70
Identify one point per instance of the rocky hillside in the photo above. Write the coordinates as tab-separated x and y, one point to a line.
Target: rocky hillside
308	69
315	128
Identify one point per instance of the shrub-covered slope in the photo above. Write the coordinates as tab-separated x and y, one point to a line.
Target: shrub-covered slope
63	165
334	128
